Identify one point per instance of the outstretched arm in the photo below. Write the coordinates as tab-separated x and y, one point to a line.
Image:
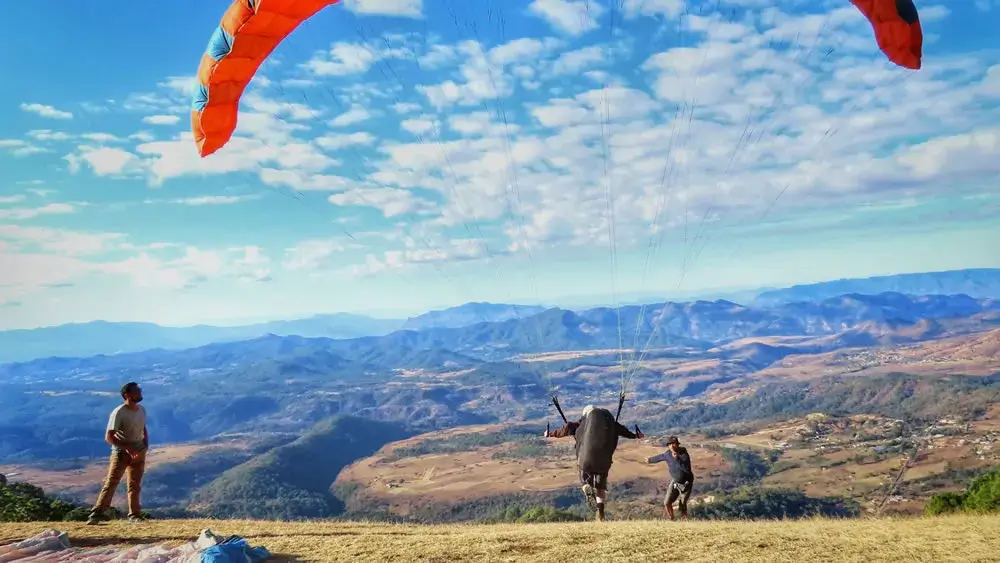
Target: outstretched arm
658	458
568	430
626	433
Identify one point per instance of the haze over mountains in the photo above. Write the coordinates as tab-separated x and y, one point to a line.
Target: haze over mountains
977	282
101	337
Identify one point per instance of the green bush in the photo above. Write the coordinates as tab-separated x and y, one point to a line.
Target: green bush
982	495
944	503
752	503
23	502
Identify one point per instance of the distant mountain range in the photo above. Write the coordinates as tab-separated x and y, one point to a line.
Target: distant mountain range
101	337
981	283
470	314
444	377
698	325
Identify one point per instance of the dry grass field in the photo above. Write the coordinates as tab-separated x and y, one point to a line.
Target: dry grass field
956	538
976	354
455	477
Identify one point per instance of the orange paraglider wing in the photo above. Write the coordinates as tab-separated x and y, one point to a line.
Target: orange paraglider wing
897	29
248	33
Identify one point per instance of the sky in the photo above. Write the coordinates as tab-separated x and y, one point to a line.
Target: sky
393	156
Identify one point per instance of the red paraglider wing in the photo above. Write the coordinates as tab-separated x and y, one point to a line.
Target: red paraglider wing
897	29
248	33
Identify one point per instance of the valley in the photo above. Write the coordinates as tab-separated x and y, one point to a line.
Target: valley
827	398
857	457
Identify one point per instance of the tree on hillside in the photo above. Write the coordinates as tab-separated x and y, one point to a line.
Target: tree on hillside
982	495
751	503
293	481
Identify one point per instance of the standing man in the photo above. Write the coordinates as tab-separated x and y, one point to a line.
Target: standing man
681	476
129	440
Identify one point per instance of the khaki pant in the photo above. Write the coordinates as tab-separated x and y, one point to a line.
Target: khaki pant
120	464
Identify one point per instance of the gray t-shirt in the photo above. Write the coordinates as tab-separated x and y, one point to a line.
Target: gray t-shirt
128	426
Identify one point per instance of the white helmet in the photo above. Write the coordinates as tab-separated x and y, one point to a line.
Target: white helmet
587	409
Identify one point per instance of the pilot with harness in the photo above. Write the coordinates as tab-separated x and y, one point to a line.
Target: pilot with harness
596	435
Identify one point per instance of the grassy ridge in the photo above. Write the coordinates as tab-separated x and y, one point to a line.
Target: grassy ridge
292	481
951	538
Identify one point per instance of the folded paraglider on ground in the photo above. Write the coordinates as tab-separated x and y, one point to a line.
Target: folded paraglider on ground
52	545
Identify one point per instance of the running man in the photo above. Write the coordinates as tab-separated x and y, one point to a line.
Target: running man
681	476
596	435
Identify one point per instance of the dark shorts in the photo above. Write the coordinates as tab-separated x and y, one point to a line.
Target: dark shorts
596	480
679	490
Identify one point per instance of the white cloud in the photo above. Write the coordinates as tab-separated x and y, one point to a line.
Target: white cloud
391	202
100	137
356	114
26	273
753	102
263	143
49	135
200	201
482	73
72	243
344	59
420	126
292	110
104	161
182	86
252	265
405	107
335	142
612	103
575	62
46	111
313	254
671	9
161	119
991	82
573	17
402	8
192	268
455	250
474	124
933	13
731	112
30	213
34	258
20	148
438	56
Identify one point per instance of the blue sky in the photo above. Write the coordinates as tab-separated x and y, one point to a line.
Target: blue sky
399	155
